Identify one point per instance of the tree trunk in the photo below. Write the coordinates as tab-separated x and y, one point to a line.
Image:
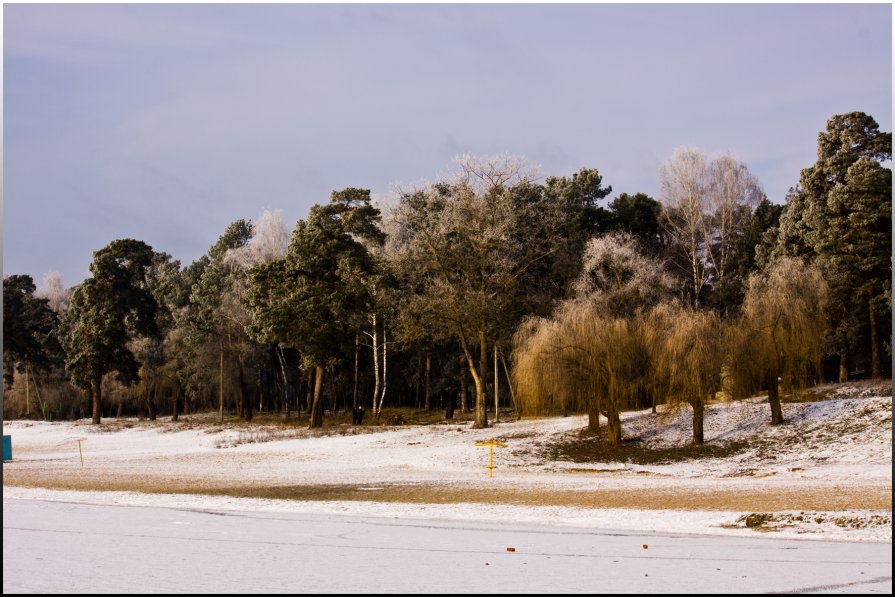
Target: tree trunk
282	359
506	372
309	396
698	421
426	389
613	425
593	417
463	406
875	366
120	410
481	413
376	379
27	396
174	405
240	394
419	362
843	363
334	398
150	404
246	396
384	370
97	398
356	362
496	389
774	399
317	406
222	382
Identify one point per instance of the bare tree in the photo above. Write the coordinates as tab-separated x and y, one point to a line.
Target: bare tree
485	174
55	292
684	186
733	193
706	201
460	241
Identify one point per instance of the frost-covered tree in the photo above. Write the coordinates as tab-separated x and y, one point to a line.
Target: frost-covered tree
471	246
706	202
268	242
55	292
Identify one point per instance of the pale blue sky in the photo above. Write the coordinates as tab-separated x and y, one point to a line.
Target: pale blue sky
167	122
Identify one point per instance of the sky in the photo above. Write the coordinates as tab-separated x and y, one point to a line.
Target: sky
167	122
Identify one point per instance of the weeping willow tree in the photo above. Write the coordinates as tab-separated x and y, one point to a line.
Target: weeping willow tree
591	354
778	340
579	360
685	345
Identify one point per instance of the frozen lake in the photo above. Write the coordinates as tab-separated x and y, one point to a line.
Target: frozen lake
72	547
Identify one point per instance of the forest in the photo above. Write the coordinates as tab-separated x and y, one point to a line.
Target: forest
494	287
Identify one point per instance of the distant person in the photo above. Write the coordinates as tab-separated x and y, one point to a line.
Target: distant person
449	409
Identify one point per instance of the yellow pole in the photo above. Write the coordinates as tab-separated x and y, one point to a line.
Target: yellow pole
81	453
491	443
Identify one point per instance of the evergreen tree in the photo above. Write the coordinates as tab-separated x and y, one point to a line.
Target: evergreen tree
107	311
29	329
840	215
639	215
216	320
312	299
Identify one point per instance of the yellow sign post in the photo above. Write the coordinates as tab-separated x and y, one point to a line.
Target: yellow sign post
67	440
491	443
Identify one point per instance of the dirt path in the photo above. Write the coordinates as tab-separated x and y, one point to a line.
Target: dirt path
674	498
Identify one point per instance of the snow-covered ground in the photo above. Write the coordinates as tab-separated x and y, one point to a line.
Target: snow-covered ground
58	547
826	474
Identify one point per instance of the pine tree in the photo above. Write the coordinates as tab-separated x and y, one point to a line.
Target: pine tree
107	311
840	215
313	299
29	329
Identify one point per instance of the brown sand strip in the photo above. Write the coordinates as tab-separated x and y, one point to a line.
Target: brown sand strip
676	498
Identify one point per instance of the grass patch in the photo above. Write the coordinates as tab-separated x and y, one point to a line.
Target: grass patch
585	448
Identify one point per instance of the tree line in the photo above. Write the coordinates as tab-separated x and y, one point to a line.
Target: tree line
490	286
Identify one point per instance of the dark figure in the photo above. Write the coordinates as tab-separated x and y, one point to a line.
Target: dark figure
359	415
449	409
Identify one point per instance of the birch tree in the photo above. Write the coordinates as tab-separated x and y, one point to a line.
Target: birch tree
707	201
55	292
